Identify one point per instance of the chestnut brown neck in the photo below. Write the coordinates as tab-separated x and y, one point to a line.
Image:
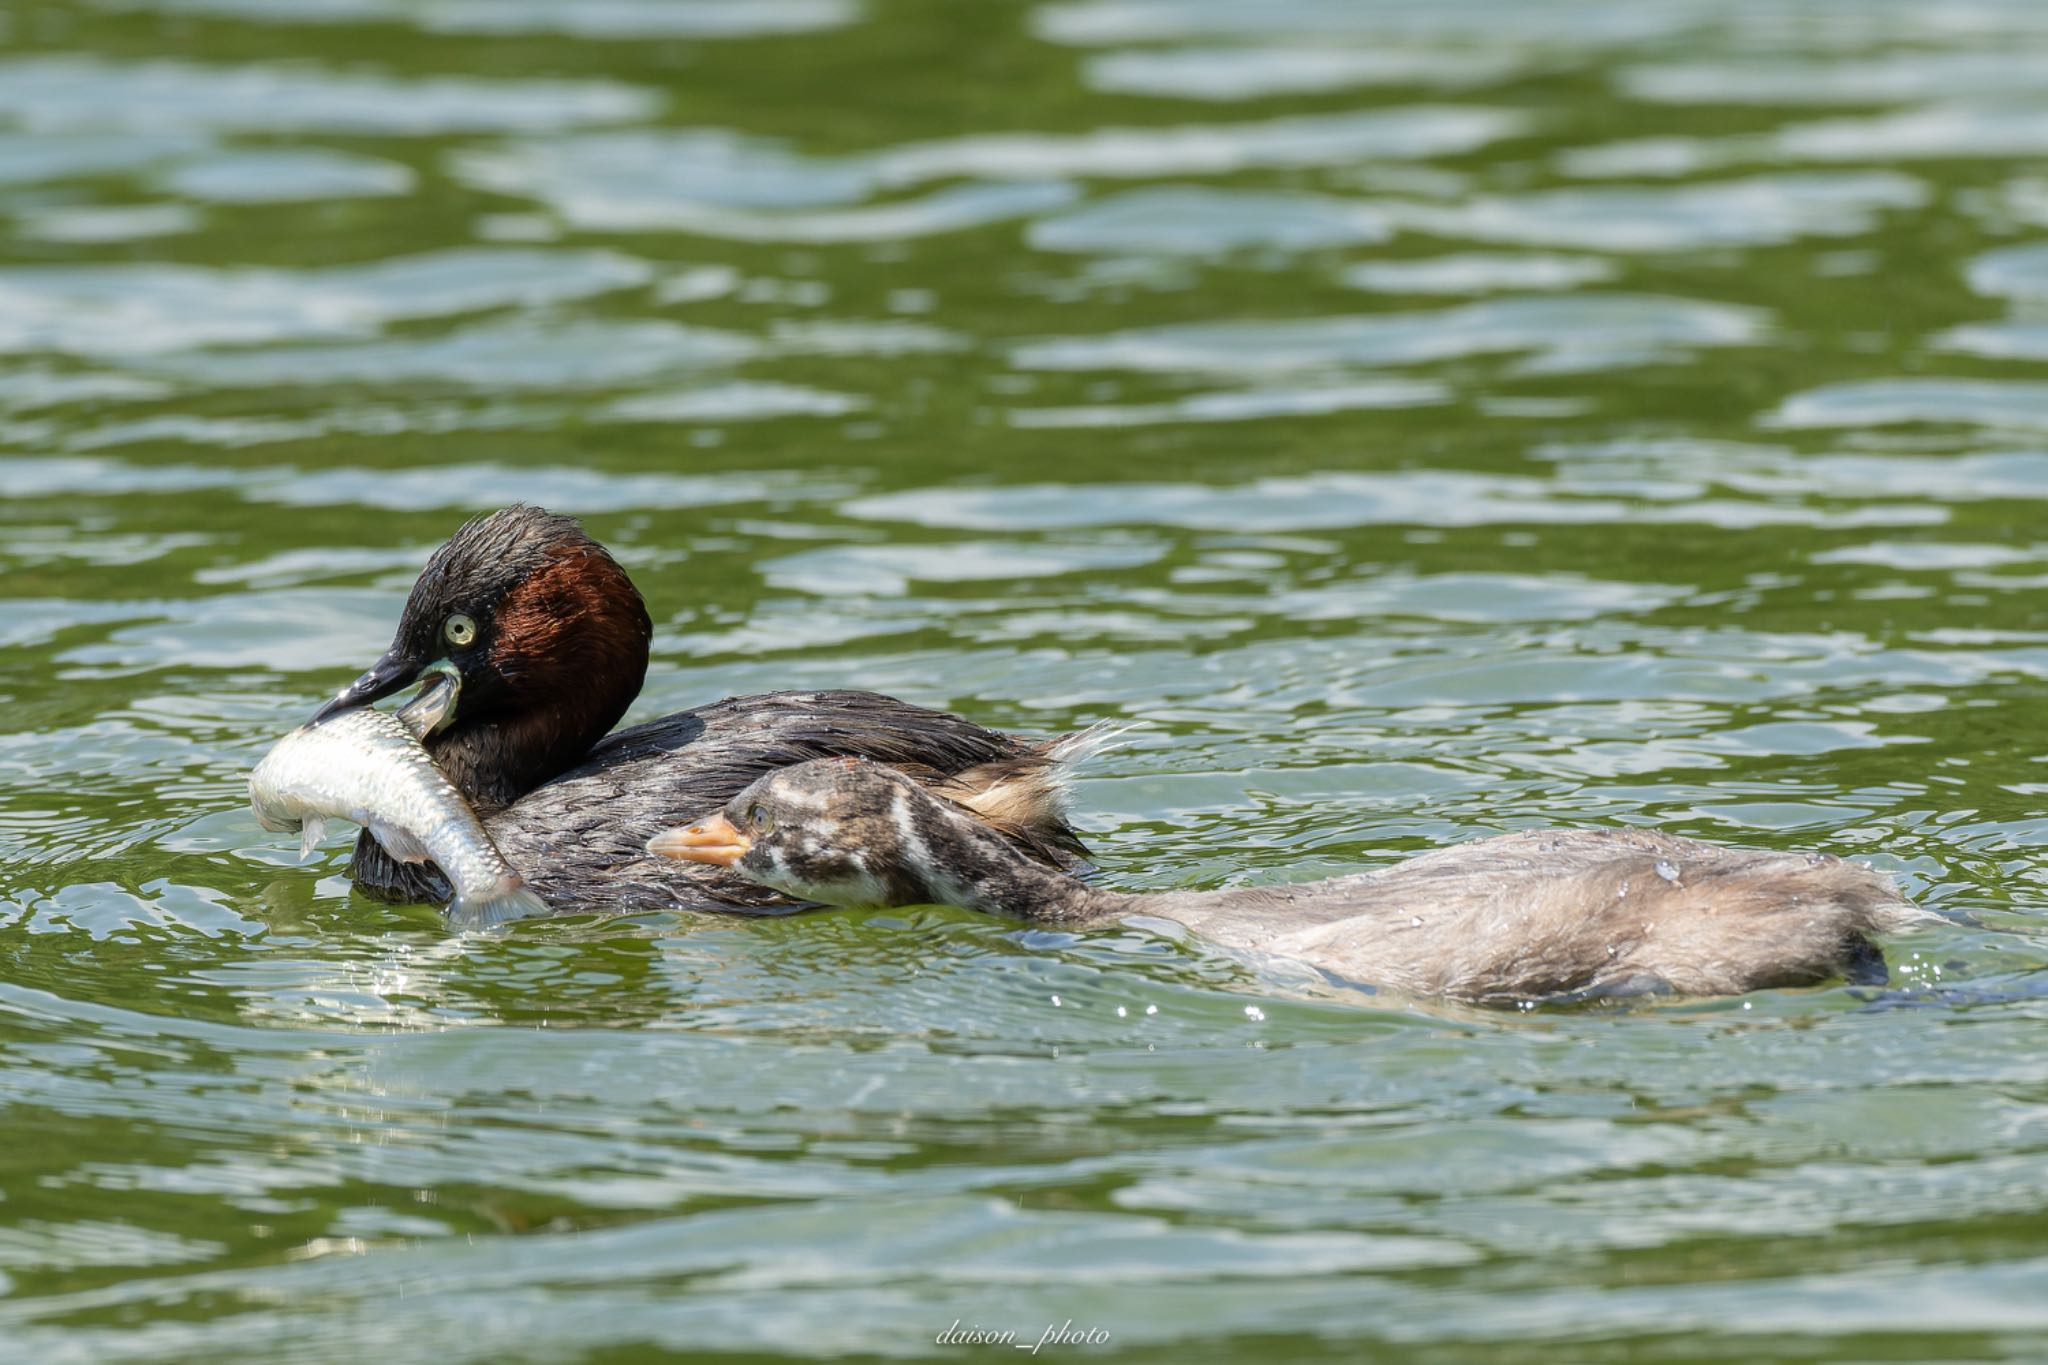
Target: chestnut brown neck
568	655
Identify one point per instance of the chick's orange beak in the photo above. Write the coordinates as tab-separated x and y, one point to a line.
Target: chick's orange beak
713	840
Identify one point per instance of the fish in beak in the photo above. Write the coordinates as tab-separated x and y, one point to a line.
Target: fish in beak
714	840
425	714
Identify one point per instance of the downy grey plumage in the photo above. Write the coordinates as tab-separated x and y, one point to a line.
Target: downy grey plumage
1517	917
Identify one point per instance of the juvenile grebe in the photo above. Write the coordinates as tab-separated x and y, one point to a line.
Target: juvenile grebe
536	641
1516	917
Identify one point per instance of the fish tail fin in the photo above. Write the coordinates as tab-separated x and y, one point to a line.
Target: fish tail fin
503	901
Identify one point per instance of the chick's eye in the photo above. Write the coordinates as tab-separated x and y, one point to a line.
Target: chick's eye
459	630
760	819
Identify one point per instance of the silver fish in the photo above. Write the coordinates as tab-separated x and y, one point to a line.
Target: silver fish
368	767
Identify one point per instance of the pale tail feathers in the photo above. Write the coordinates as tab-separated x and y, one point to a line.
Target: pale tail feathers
1042	782
1873	897
506	900
1070	751
1028	798
1903	917
1065	755
1892	913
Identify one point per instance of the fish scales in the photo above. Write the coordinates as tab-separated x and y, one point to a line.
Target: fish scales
368	767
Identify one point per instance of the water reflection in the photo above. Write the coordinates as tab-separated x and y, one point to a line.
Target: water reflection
60	93
150	308
1756	211
261	177
1581	331
702	19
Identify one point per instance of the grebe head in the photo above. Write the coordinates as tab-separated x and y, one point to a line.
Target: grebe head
845	831
540	641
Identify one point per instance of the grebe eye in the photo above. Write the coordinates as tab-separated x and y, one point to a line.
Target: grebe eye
459	630
760	819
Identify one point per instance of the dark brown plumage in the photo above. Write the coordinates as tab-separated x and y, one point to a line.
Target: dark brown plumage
1517	917
549	639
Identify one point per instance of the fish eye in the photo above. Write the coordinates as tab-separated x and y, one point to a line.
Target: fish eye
459	630
760	819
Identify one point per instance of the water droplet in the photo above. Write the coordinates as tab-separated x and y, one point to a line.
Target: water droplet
1151	1009
1745	1004
1667	869
1055	1002
1415	923
1254	1012
1121	1011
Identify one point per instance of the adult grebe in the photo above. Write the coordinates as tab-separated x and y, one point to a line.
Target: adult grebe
537	643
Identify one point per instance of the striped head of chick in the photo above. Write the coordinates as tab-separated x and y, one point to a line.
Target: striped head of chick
847	831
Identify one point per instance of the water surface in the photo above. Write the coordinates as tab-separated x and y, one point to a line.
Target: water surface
1428	420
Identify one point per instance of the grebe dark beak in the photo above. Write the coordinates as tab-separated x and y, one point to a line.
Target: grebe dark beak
713	840
387	675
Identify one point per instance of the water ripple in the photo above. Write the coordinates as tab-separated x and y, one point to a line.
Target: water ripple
515	353
1209	149
1883	402
63	93
1616	329
26	158
1244	73
721	184
1479	273
302	173
2017	272
1431	420
1416	497
1238	405
133	309
1201	221
1758	210
603	19
1891	78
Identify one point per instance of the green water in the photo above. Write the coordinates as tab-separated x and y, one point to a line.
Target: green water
1430	420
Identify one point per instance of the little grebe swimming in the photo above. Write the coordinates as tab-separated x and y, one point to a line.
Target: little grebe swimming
1517	917
537	643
